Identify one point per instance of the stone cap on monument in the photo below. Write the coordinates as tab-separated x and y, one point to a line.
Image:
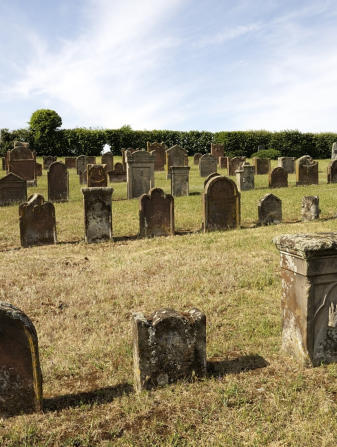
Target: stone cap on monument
308	245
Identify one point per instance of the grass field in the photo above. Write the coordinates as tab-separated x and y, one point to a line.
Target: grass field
81	297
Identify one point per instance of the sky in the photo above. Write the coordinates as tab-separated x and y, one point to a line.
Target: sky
170	64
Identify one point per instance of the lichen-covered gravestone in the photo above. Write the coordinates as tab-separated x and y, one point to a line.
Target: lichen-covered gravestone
233	164
306	171
309	296
20	372
118	174
334	151
287	163
13	189
21	163
221	200
310	208
262	165
270	210
158	150
207	165
108	160
168	346
278	178
196	158
175	156
97	214
81	164
156	214
179	180
97	176
58	182
245	177
140	173
37	222
332	171
217	150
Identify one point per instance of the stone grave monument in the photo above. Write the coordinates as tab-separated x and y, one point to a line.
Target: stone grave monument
58	182
13	189
270	210
306	171
278	178
310	208
97	214
245	177
179	180
156	214
207	165
140	173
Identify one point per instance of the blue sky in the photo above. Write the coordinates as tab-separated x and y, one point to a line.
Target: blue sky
173	64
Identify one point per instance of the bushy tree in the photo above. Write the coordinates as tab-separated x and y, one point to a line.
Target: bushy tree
44	124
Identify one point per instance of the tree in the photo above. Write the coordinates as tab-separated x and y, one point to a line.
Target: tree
43	124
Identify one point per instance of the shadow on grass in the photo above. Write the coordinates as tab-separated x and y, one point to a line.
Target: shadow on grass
217	366
99	396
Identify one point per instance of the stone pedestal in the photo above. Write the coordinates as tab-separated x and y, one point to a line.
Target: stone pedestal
179	180
97	214
309	296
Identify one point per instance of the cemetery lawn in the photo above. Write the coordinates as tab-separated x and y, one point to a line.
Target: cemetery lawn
81	297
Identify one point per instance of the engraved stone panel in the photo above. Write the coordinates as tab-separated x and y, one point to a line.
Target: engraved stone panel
156	214
245	177
306	171
180	180
270	210
278	178
13	189
97	214
140	173
58	182
97	176
207	165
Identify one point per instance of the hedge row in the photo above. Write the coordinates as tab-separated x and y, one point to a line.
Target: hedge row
73	142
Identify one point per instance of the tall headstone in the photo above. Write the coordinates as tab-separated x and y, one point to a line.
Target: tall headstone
21	162
168	346
156	214
58	182
97	176
334	151
309	296
306	171
270	210
158	150
278	178
233	164
108	160
118	174
175	156
262	165
196	158
20	372
81	164
287	163
97	214
221	200
140	173
13	189
245	177
37	222
207	165
310	208
48	160
223	162
70	162
332	171
217	150
179	180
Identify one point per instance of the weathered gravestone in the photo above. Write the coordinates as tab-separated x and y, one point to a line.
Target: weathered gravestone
37	222
38	169
310	208
196	158
118	174
207	179
70	162
223	162
20	372
168	346
13	189
221	200
278	178
90	160
156	214
81	164
332	171
306	171
97	214
179	180
233	164
58	182
140	173
262	165
175	156
270	210
245	177
83	177
334	151
207	165
48	160
309	296
108	160
158	150
97	176
217	150
123	151
21	162
287	163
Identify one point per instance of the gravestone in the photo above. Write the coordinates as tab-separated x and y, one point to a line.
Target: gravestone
196	158
48	160
90	160
332	171
83	177
207	165
180	180
270	210
156	214
123	151
158	150
223	162
38	169
221	200
58	182
309	296
245	177
20	372
175	156
168	346
70	162
118	174
96	176
81	164
287	163
207	179
108	160
21	162
13	189
262	165
233	164
217	150
278	178
334	151
306	171
140	173
97	214
310	208
37	222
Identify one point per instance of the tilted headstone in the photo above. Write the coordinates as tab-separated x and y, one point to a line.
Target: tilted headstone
58	182
217	150
118	174
207	179
37	222
175	156
310	208
97	176
233	164
221	200
158	150
196	158
223	162
13	189
38	169
309	296
262	165
180	180
97	214
168	346
81	164
156	214
108	160
270	210
332	171
278	178
334	151
21	162
207	165
287	163
48	160
70	162
20	372
245	177
140	173
306	171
